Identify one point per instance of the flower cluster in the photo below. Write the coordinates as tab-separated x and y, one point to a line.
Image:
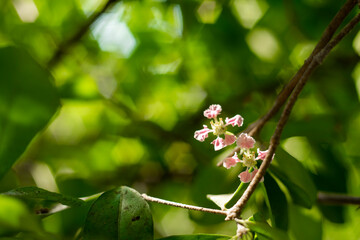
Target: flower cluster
246	143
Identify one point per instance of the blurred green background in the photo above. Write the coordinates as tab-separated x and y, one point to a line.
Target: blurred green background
133	88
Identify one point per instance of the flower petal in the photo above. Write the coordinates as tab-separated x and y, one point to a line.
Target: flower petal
245	176
231	161
229	139
218	143
236	120
200	135
262	154
212	111
245	141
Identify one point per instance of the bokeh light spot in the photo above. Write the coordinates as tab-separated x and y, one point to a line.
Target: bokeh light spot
263	44
113	35
249	12
26	9
356	43
208	12
301	52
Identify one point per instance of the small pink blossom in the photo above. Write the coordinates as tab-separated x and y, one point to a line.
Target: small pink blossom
245	176
231	161
218	143
237	120
262	154
200	135
245	141
212	111
229	139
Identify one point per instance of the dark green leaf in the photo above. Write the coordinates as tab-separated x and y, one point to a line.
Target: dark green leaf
41	194
197	237
264	229
278	203
120	214
28	100
295	177
331	176
237	194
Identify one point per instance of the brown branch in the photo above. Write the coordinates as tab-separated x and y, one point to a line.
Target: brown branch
337	199
285	93
181	205
330	30
275	139
67	44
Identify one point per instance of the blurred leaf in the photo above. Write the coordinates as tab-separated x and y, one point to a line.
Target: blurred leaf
221	200
14	217
213	180
28	193
197	237
278	203
316	127
119	214
303	224
226	201
261	237
28	100
295	177
331	176
264	229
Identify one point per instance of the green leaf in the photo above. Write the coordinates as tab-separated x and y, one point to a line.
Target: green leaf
28	100
278	203
304	223
197	237
119	214
226	201
221	200
237	194
264	229
205	182
28	193
331	176
15	217
295	177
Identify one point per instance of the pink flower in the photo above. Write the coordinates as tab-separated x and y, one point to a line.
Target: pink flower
245	141
218	128
246	177
231	161
218	143
262	154
212	111
200	135
237	120
229	139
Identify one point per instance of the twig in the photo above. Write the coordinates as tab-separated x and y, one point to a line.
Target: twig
275	139
181	205
64	46
256	127
337	199
285	93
